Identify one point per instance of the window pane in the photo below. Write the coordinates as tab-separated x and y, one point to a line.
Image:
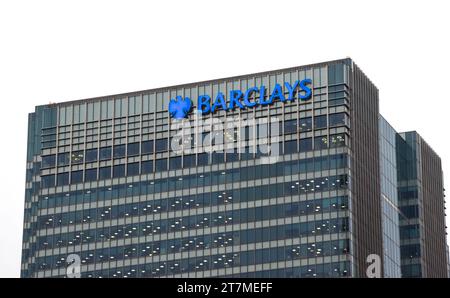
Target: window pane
320	122
63	179
337	119
202	159
320	143
161	145
175	163
337	140
63	159
105	173
290	126
189	161
48	181
147	166
48	161
105	153
305	124
119	151
90	175
77	157
77	177
161	164
217	157
305	144
133	149
133	169
290	146
147	147
119	171
91	155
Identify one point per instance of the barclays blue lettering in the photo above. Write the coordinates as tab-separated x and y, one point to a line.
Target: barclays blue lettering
252	97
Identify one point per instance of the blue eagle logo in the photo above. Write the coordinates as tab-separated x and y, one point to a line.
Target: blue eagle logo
180	107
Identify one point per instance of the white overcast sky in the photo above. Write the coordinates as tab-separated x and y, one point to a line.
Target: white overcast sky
53	51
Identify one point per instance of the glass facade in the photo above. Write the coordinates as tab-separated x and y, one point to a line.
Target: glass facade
389	200
103	183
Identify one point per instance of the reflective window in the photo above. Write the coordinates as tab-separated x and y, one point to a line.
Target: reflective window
161	145
320	122
63	179
161	165
105	153
147	166
305	124
119	151
147	147
202	159
48	161
320	143
119	171
133	169
189	161
76	177
133	149
63	159
175	163
77	157
290	146
290	126
305	144
48	181
104	173
217	157
91	155
337	119
90	175
337	140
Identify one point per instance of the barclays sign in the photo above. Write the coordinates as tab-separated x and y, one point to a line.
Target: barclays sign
180	107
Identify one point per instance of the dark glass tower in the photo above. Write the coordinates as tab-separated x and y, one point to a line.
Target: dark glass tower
105	184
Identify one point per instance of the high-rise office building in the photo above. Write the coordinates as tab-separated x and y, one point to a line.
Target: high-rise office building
286	173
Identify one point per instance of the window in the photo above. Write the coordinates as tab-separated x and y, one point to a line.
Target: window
175	163
305	124
90	175
77	157
147	147
161	145
133	149
336	74
63	179
91	155
119	151
290	146
48	161
337	140
161	164
189	161
63	159
105	153
217	157
76	177
48	181
119	171
232	156
133	169
337	119
104	173
290	126
305	145
202	159
320	122
147	166
320	143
